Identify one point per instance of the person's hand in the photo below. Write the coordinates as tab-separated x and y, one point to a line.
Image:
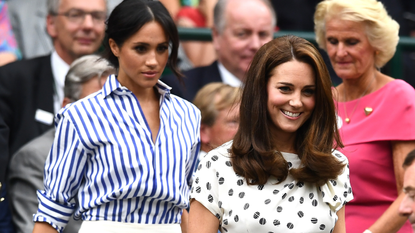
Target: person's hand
6	57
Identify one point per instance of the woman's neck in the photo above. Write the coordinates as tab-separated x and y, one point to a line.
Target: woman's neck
143	94
285	143
356	88
147	95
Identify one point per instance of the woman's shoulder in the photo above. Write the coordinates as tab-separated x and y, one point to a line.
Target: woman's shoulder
340	156
398	86
79	109
397	94
183	103
336	192
220	156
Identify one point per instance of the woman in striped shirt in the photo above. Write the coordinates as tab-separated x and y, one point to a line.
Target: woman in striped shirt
127	153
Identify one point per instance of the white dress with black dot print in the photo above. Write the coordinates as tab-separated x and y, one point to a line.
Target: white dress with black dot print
291	206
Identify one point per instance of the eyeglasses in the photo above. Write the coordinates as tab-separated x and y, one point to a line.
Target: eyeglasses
78	16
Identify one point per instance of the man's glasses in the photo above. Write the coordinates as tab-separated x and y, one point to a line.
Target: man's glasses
78	16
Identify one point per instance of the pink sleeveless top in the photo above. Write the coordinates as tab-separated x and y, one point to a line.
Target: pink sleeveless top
367	140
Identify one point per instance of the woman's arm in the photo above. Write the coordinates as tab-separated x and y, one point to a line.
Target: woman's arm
43	227
201	220
63	173
341	223
391	221
185	221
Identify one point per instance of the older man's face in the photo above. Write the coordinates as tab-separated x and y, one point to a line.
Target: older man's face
248	27
407	207
75	33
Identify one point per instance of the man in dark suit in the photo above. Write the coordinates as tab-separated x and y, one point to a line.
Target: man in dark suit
240	29
31	91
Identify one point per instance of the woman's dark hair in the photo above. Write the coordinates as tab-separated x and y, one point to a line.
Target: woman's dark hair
254	156
129	16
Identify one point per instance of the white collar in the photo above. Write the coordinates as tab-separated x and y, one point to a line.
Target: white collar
228	77
202	154
59	70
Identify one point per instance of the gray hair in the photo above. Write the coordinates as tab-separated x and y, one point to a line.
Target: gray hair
82	70
53	6
219	19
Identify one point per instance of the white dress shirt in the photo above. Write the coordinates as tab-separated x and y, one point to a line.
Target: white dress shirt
59	70
104	156
228	77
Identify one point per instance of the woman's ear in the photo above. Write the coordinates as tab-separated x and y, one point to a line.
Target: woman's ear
114	47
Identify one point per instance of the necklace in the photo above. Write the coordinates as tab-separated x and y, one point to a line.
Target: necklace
357	103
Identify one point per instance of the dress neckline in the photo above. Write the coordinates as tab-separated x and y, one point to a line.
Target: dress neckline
370	94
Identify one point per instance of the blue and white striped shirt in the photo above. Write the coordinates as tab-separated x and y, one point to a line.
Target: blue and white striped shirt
103	155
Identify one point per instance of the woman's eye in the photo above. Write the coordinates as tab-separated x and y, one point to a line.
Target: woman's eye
140	49
162	48
332	41
284	89
309	92
352	42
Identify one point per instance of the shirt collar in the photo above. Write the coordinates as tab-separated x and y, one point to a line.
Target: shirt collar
59	68
228	77
112	85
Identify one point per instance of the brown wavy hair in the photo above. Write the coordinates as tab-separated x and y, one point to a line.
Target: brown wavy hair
253	154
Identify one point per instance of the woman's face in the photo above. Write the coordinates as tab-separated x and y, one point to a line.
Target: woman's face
291	96
348	47
142	57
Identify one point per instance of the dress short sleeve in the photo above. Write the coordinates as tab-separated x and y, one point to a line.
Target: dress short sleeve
392	108
289	206
336	193
205	188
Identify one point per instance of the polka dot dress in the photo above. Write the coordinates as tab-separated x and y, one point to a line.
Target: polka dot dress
291	206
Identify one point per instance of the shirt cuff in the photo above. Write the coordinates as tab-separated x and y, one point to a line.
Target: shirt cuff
56	214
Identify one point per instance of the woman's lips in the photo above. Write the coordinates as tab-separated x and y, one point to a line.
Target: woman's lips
343	62
150	74
291	115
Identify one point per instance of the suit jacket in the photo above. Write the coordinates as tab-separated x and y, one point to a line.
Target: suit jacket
25	178
25	87
194	80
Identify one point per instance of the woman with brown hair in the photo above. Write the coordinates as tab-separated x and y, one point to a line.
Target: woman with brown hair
281	172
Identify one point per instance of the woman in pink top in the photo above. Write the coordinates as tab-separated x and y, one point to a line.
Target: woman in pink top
376	113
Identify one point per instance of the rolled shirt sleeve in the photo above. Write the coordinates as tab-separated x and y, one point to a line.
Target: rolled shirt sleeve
63	175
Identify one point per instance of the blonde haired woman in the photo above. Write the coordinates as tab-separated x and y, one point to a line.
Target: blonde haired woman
375	111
